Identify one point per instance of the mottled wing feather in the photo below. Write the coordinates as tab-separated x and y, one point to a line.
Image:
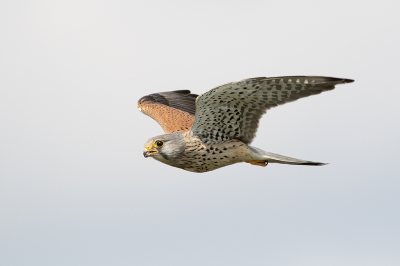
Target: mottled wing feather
173	110
233	110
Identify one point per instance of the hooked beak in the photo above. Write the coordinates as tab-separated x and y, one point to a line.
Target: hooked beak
149	151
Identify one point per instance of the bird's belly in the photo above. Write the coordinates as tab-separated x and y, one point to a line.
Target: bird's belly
209	157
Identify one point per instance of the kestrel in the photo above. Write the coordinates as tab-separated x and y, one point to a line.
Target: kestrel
215	129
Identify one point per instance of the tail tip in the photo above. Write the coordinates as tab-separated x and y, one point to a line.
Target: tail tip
348	80
314	163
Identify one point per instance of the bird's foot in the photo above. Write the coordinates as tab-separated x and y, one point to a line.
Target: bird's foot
259	163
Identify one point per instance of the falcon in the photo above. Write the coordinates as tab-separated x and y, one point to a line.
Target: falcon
215	129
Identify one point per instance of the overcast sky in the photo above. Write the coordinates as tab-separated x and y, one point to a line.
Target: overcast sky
76	190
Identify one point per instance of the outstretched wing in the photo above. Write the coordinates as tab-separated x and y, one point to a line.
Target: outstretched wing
233	110
173	110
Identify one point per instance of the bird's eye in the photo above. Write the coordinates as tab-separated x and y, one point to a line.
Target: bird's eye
158	143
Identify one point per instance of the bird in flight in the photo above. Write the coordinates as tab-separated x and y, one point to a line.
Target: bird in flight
215	129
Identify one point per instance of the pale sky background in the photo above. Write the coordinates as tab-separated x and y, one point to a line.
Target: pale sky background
76	190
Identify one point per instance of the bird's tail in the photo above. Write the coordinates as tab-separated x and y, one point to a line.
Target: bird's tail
262	158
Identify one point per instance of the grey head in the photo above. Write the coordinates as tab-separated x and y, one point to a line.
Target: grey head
165	147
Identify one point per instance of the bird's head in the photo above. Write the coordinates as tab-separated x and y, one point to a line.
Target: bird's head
165	147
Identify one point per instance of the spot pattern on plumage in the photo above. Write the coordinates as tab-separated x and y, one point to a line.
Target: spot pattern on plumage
233	110
202	157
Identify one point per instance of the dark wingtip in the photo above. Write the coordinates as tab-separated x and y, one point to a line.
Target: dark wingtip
183	92
187	93
339	80
182	100
145	99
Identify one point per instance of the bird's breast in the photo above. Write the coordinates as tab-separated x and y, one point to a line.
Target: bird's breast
201	157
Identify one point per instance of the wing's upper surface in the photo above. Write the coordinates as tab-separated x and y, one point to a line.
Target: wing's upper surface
233	110
173	110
